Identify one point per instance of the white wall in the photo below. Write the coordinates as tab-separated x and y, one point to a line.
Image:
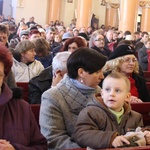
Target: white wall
7	7
38	9
67	12
99	11
35	8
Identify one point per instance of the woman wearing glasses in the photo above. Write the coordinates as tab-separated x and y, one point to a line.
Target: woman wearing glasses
124	61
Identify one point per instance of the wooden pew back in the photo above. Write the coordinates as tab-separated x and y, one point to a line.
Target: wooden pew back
144	109
24	86
147	75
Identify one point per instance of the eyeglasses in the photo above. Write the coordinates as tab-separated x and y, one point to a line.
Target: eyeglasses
100	39
128	60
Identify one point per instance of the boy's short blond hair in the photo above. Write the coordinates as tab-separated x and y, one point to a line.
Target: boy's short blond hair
117	75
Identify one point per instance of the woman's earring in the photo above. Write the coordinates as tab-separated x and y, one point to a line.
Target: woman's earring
81	80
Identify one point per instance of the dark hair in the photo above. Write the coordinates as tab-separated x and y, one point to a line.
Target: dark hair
88	59
136	32
143	33
12	28
78	40
6	59
34	27
127	33
4	29
34	32
41	47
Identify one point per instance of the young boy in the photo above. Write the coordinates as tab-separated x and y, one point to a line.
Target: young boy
105	120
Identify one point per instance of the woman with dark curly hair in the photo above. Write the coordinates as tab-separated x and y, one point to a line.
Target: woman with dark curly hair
73	43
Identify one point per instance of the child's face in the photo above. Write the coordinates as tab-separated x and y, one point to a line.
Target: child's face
114	93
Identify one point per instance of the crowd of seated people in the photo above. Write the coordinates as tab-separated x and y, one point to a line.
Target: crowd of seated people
64	68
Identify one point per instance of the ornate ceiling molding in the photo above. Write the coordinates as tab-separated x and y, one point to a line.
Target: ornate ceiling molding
111	3
144	3
20	3
114	5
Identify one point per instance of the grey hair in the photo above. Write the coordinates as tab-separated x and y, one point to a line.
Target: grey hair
60	61
24	46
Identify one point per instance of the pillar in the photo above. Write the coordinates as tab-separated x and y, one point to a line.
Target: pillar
84	13
145	23
128	15
54	10
111	18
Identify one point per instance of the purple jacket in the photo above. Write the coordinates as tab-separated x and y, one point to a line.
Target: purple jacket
17	123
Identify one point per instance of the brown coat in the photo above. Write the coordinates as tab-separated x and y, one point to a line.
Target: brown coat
96	126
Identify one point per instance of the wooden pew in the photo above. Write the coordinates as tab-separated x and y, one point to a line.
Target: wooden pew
148	86
144	109
24	86
147	75
127	148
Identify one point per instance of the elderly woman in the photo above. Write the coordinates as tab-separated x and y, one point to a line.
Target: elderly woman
61	104
19	129
124	61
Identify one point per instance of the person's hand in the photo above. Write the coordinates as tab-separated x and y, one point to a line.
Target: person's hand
147	137
56	78
134	99
119	140
5	145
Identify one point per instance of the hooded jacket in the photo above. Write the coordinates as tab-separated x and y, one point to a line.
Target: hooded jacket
96	126
18	125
